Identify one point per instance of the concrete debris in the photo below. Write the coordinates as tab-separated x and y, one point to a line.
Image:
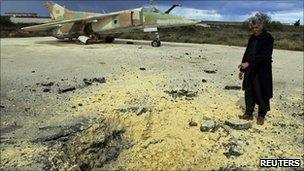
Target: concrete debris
227	129
208	126
238	124
87	81
98	80
48	84
210	71
232	87
181	93
192	122
141	110
66	89
46	89
234	148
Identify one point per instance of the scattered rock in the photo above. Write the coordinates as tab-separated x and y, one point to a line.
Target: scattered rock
204	81
47	84
141	110
2	107
87	81
141	68
192	122
80	104
226	129
66	89
208	126
234	148
181	93
232	87
238	124
47	89
33	71
98	80
210	71
186	53
128	42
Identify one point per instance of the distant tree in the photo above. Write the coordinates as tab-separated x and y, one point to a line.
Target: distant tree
297	23
266	20
6	22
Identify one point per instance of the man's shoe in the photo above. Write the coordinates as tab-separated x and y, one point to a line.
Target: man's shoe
260	120
246	117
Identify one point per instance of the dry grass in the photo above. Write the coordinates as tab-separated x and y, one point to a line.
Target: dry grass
289	38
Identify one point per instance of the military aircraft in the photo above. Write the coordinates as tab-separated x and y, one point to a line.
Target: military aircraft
86	26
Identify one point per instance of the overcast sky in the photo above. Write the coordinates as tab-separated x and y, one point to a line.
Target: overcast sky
286	11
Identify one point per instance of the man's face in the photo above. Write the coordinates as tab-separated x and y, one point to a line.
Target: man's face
256	29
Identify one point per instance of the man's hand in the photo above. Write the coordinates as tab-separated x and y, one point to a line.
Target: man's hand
241	75
243	65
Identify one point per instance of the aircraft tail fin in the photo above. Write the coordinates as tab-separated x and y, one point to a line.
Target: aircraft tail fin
57	12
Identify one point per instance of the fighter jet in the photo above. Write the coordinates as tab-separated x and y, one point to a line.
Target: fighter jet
86	26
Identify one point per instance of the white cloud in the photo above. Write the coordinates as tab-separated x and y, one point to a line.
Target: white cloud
286	16
214	15
198	14
193	13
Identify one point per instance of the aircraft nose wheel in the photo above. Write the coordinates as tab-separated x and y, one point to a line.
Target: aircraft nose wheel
156	43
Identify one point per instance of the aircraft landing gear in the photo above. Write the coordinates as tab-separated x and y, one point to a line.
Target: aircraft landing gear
156	42
109	39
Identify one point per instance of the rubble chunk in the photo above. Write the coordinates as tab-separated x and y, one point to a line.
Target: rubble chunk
238	124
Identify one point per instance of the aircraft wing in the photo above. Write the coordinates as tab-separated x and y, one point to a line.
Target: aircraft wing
54	24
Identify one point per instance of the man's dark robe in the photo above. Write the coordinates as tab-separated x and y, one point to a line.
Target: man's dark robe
259	56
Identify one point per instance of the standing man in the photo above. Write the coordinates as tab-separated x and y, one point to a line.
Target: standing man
257	72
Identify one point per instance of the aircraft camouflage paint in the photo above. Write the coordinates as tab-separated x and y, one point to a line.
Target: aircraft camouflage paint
85	26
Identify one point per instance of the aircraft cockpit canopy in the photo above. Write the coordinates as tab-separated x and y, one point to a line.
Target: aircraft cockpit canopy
151	9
